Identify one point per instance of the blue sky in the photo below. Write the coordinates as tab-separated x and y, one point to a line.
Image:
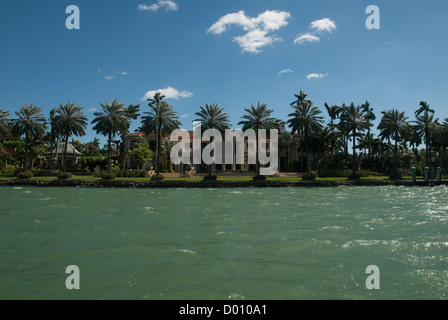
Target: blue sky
230	52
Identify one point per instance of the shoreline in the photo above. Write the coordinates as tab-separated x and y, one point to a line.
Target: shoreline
213	184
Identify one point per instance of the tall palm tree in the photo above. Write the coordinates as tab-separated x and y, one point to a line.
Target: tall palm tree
286	141
333	113
109	122
370	116
213	117
53	134
69	121
355	122
299	98
394	125
344	129
4	124
132	112
161	119
426	127
424	108
31	123
305	120
258	118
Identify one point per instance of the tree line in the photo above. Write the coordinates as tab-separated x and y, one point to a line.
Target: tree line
346	142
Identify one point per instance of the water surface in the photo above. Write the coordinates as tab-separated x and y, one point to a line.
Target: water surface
247	243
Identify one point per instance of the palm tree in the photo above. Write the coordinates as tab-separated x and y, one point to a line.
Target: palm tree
166	148
426	127
370	116
305	120
258	118
54	136
161	119
69	121
394	125
213	117
354	121
286	141
424	108
4	124
333	113
132	112
31	123
300	98
110	121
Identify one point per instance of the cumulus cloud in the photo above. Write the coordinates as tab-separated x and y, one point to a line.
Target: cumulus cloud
323	25
284	71
169	93
169	5
317	27
113	76
316	76
257	29
307	37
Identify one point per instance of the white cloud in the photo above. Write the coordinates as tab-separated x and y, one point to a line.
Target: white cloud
257	29
92	110
169	93
316	76
284	71
169	5
184	116
254	40
307	37
112	77
323	25
318	26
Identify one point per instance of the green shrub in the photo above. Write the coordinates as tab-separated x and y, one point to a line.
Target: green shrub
108	176
213	177
309	177
64	175
9	170
25	175
170	167
259	178
97	172
157	178
93	162
364	173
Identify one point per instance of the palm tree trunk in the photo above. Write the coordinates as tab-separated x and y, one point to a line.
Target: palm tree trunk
396	155
26	152
64	157
354	151
301	155
287	158
307	152
123	150
109	147
158	148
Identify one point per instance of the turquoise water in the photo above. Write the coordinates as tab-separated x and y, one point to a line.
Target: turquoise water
248	243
